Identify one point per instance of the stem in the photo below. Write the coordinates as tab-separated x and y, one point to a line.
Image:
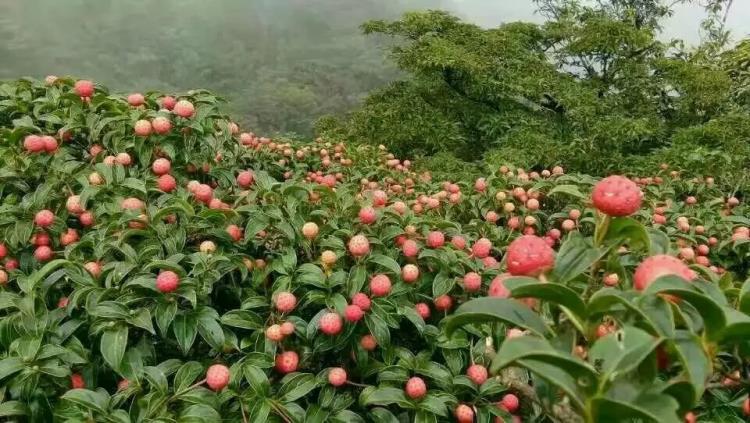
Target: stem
359	385
601	230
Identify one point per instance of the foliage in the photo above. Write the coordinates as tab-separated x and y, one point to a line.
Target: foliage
571	350
593	88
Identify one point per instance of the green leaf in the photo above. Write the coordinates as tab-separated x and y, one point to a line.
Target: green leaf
13	408
142	319
744	298
113	344
523	287
695	364
296	386
186	375
257	379
442	284
659	241
386	263
91	400
384	396
488	309
185	329
620	352
713	316
647	407
571	190
165	313
576	256
630	231
9	366
556	376
378	329
211	331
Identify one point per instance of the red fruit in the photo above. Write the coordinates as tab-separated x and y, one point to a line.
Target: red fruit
409	273
33	143
337	376
287	328
76	381
167	281
11	264
245	178
142	128
472	282
423	310
690	417
464	414
529	255
380	285
368	342
287	362
234	232
443	302
611	279
86	219
135	99
161	166
94	268
41	238
367	215
353	313
123	384
3	251
415	388
285	302
435	239
203	193
44	218
184	108
410	248
62	302
217	377
70	236
43	253
459	242
161	125
617	196
654	267
50	143
510	403
166	183
481	248
361	300
168	102
359	246
73	204
477	373
746	407
84	88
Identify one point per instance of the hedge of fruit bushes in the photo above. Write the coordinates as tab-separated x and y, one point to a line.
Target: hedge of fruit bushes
161	265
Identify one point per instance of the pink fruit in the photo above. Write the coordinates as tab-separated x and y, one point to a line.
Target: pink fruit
435	239
217	377
657	266
204	193
497	286
368	343
443	303
235	232
361	300
168	102
43	253
481	248
184	108
161	166
94	268
44	218
367	215
472	282
611	279
142	128
459	242
529	255
353	313
287	362
123	384
63	302
510	403
50	143
287	328
410	248
409	273
123	159
285	302
415	388
380	285
167	281
245	179
359	246
40	238
423	310
166	183
477	373
337	376
84	88
161	125
617	196
3	251
33	143
464	414
68	237
136	99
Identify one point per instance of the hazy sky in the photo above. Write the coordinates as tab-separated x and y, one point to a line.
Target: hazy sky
684	24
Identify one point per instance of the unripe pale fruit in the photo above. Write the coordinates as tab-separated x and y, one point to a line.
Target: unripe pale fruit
94	268
328	257
95	179
287	328
161	125
217	377
132	203
142	128
409	273
123	159
310	230
464	414
285	302
207	247
167	281
359	246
